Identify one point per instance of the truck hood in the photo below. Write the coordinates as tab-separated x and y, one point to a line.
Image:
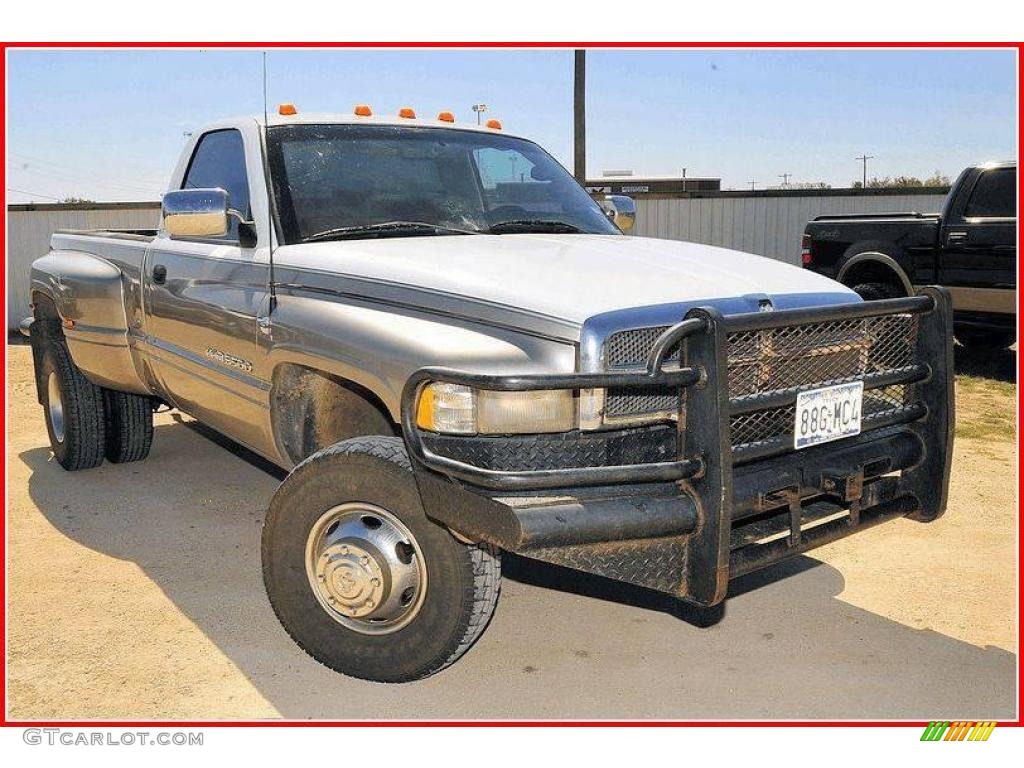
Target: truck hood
565	277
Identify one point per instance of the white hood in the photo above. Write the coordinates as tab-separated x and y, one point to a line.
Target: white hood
570	277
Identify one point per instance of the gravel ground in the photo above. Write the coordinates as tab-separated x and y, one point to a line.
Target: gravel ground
135	592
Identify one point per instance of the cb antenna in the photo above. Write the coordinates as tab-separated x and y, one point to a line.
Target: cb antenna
270	196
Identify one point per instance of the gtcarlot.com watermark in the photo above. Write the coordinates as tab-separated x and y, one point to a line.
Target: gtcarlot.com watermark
77	738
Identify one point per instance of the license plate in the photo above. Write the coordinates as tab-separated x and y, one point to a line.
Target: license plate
827	414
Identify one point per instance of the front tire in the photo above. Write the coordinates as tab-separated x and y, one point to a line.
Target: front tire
73	407
360	578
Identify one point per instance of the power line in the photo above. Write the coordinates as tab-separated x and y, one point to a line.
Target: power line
21	162
77	178
33	194
92	188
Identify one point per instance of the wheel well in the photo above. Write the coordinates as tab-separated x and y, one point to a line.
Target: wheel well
46	325
311	409
43	307
871	271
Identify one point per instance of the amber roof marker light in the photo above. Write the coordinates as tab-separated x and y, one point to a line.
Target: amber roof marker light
494	124
407	112
287	109
362	110
446	117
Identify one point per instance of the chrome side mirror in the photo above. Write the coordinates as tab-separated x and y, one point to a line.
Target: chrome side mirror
196	213
620	210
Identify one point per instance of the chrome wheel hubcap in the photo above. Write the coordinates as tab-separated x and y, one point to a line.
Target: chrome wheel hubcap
56	406
365	568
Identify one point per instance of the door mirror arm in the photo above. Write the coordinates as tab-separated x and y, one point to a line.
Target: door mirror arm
246	232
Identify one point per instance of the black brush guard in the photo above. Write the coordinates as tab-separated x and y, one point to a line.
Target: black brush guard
687	524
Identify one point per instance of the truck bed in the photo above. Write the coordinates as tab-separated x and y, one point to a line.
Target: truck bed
912	215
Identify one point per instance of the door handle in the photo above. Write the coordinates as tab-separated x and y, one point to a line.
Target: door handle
956	237
159	274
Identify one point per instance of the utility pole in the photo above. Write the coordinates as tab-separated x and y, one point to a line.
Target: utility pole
479	109
864	159
785	178
579	116
752	185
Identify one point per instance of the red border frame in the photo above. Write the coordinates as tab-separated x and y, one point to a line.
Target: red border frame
560	45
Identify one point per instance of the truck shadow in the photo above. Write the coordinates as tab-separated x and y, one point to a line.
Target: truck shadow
561	644
999	364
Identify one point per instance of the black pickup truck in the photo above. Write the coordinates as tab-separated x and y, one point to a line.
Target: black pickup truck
971	248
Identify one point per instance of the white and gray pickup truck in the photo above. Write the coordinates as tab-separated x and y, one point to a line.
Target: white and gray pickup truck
457	352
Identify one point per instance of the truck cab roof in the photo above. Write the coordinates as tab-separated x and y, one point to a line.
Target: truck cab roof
348	118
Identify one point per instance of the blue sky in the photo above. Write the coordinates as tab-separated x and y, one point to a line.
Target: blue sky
109	125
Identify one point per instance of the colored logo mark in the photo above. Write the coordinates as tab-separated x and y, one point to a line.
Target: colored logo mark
943	730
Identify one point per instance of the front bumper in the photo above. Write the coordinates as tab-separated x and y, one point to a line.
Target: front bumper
678	509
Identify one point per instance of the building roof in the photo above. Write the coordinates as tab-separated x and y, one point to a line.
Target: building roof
636	178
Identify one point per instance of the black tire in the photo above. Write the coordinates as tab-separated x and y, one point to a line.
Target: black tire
877	291
986	340
463	580
129	426
78	441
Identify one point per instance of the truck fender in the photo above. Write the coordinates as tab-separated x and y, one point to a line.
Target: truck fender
329	352
862	255
87	293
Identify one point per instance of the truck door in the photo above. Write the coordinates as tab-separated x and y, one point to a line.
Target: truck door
202	296
978	260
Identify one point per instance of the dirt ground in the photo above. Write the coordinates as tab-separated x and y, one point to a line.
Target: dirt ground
135	592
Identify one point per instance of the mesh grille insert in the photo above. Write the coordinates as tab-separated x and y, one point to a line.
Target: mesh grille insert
786	359
628	349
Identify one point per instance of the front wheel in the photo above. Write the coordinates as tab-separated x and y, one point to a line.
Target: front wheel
358	575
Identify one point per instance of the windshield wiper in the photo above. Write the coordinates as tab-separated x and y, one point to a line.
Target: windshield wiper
534	225
388	229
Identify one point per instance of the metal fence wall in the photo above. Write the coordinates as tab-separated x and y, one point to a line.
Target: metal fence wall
28	237
768	225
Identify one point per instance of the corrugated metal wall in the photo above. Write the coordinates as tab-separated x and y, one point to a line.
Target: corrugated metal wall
28	238
768	226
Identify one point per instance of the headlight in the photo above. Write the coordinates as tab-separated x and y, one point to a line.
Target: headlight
461	410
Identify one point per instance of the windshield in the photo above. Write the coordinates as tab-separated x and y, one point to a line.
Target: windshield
351	181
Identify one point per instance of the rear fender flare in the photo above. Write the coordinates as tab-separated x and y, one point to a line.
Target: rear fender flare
860	258
88	294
